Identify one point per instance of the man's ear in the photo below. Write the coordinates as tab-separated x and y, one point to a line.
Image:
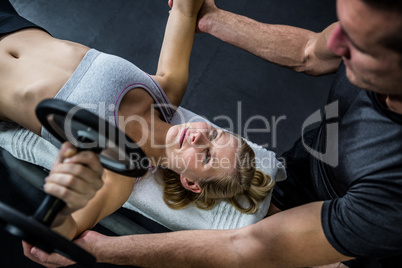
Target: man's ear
190	184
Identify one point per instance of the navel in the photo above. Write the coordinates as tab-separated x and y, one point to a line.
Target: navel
14	54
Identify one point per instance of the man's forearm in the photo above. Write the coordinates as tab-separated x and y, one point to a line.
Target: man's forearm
280	44
169	250
295	48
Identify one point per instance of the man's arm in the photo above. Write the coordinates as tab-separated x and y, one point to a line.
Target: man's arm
292	238
295	48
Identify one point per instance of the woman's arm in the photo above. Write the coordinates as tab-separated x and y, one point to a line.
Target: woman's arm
89	195
114	193
172	72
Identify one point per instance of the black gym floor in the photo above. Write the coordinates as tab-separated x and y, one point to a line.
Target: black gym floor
229	86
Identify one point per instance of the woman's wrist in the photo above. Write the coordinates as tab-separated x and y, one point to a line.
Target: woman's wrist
66	226
183	14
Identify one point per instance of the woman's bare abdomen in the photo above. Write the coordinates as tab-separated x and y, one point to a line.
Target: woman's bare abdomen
33	66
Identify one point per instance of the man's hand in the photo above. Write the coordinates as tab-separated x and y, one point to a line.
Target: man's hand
188	8
48	260
208	8
88	241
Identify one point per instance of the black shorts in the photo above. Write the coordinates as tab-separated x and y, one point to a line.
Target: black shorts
298	188
10	21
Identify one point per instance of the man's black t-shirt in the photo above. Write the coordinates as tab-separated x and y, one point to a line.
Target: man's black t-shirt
353	162
362	216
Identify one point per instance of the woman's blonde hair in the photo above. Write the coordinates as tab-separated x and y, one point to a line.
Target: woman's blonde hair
245	181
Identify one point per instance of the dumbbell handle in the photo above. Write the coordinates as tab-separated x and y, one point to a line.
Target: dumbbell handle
48	210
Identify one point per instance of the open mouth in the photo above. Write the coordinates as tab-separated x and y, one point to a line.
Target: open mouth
183	136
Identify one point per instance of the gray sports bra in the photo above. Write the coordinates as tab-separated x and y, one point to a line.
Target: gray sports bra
99	84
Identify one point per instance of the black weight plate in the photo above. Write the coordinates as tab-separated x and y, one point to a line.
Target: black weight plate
85	130
35	233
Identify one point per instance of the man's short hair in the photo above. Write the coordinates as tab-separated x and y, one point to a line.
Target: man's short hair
387	5
394	41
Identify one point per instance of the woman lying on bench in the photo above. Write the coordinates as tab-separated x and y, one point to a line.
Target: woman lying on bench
201	164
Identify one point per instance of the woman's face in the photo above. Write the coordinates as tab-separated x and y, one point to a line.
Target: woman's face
198	150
